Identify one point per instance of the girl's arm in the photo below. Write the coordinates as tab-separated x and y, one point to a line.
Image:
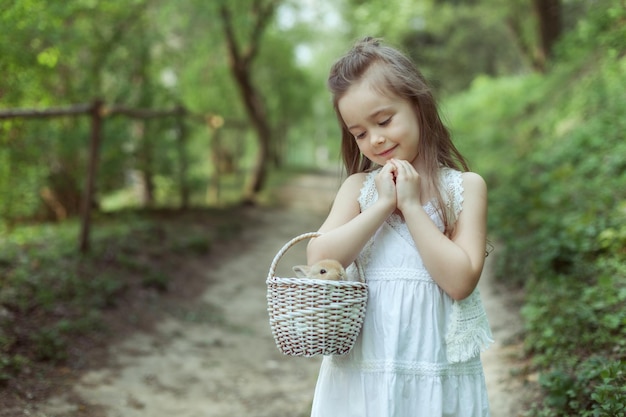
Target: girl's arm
346	230
454	263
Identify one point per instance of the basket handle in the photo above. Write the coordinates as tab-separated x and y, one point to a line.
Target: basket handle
287	246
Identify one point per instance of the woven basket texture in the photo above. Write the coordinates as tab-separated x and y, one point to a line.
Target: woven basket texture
310	317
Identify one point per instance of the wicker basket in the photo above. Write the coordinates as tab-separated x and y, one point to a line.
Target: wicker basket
312	317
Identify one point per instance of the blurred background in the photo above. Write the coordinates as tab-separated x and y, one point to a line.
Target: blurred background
211	104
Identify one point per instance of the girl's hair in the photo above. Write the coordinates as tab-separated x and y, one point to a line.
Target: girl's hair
393	72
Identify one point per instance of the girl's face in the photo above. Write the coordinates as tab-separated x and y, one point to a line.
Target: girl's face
384	126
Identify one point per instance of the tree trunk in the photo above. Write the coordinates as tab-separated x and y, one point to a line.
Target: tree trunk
183	162
256	112
548	13
241	68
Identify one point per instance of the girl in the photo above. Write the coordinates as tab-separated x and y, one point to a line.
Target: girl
415	227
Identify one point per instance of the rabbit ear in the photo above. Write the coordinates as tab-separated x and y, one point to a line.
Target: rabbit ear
302	271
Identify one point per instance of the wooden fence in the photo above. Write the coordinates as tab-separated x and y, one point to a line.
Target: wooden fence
98	111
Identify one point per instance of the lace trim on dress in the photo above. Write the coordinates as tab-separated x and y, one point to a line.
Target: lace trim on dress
368	194
399	274
452	182
367	197
425	369
469	332
396	222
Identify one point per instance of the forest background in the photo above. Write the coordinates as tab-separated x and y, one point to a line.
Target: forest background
533	91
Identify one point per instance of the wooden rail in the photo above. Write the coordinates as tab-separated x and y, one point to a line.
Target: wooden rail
97	111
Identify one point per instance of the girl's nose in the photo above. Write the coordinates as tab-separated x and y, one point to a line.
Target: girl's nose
378	139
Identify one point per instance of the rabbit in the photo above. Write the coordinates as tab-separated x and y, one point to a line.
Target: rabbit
328	269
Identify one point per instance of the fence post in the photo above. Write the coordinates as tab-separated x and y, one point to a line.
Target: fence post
96	112
181	135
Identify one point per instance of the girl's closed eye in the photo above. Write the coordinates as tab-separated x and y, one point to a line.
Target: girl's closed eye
385	122
359	135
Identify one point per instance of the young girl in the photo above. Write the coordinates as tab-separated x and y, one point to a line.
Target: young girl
415	227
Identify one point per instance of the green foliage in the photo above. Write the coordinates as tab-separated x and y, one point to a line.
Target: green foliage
139	54
563	303
593	388
553	153
11	366
451	56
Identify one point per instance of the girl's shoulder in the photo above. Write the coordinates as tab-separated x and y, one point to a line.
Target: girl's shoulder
462	179
354	181
473	179
472	183
360	179
351	187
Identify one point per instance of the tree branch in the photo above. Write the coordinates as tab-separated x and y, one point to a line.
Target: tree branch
263	13
229	32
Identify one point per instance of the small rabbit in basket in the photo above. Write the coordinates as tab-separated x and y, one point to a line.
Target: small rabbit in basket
328	269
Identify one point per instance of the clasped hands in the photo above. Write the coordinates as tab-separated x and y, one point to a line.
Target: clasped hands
398	185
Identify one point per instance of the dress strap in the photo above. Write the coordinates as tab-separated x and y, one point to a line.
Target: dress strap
368	194
367	197
452	187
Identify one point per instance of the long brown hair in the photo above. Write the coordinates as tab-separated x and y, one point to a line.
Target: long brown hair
399	76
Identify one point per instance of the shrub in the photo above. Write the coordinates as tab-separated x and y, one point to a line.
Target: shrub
553	152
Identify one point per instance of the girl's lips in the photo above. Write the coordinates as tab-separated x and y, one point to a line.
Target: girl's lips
387	152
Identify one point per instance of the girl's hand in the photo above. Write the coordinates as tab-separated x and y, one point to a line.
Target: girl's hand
386	186
407	185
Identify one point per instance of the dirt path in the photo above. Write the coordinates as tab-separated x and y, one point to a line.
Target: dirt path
218	358
502	362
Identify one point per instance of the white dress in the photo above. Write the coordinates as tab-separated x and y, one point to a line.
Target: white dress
400	365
